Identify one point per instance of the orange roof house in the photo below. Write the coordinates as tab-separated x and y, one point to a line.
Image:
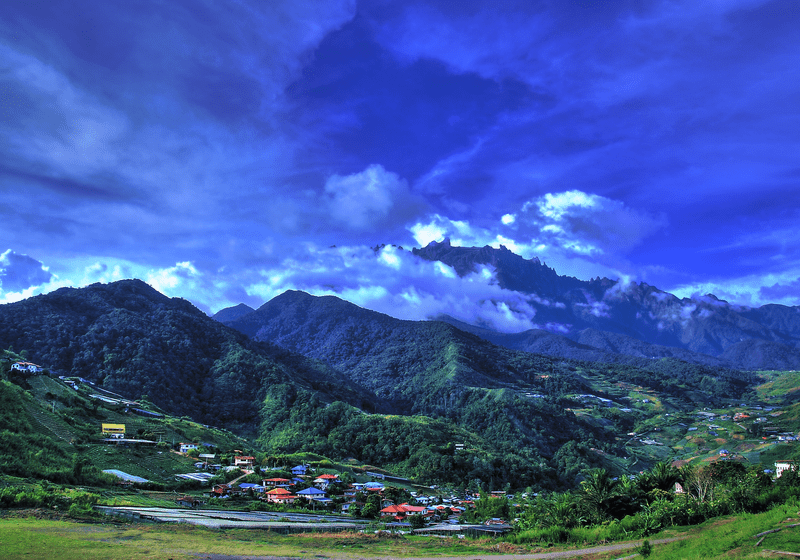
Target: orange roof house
325	480
276	482
400	512
280	496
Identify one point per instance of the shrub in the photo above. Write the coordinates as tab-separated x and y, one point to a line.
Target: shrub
547	535
81	511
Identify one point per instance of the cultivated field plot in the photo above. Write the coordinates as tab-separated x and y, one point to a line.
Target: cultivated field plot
217	519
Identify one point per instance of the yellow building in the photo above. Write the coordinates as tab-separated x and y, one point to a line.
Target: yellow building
114	429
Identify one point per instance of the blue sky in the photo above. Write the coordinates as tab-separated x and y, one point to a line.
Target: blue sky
227	151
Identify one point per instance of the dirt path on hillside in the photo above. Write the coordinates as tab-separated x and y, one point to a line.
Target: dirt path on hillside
585	553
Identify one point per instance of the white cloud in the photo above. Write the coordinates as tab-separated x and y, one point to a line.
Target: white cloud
366	200
580	234
166	280
396	282
556	205
587	224
752	290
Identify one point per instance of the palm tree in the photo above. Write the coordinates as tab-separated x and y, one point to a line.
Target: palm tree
659	481
599	490
663	476
562	510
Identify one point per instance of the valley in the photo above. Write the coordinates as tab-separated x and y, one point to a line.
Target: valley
642	427
448	424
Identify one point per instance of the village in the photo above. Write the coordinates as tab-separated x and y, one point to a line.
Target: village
318	490
235	479
306	489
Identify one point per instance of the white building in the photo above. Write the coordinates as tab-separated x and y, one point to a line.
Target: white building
781	466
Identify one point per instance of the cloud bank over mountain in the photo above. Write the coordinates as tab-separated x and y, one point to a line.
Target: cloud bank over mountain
211	148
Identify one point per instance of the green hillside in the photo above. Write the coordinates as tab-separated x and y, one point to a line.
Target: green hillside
422	398
130	339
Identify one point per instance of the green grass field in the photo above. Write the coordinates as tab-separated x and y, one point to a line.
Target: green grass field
35	538
725	538
735	537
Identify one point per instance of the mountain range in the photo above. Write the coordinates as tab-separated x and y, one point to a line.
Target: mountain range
581	318
320	374
607	320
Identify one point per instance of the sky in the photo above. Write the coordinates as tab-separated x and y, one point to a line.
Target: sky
225	152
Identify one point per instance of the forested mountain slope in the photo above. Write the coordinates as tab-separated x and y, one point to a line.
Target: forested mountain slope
516	400
131	339
325	376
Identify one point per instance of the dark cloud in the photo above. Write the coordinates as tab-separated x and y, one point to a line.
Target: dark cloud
788	293
21	272
199	142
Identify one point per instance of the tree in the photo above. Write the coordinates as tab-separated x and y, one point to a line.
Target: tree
598	491
698	482
662	476
370	511
397	495
726	472
562	510
416	521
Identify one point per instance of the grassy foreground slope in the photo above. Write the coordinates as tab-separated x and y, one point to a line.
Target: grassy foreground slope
734	537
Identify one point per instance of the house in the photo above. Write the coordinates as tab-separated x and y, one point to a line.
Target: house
220	490
400	512
248	486
113	430
280	496
244	461
351	505
300	470
783	466
26	367
325	480
312	493
373	487
187	501
277	482
186	447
